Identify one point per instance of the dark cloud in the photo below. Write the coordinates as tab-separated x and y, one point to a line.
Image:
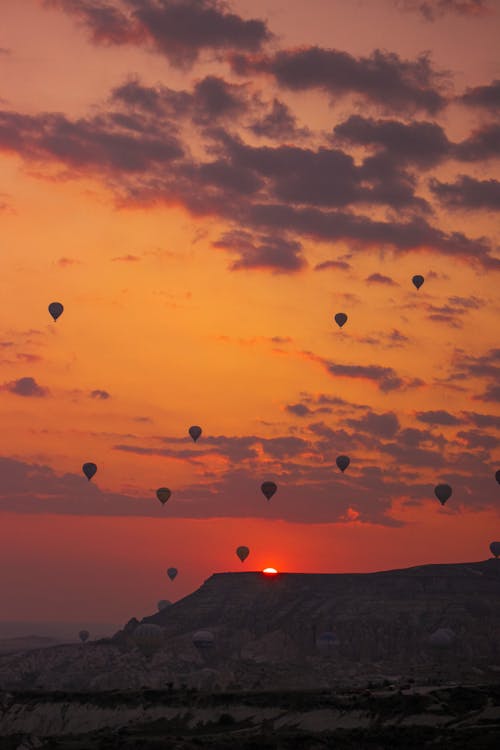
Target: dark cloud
383	78
382	425
379	278
483	143
25	387
365	232
439	417
385	378
431	10
486	97
483	420
491	393
468	193
279	124
67	262
100	395
178	29
266	252
338	265
299	410
476	439
421	143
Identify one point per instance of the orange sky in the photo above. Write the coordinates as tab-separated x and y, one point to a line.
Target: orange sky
183	239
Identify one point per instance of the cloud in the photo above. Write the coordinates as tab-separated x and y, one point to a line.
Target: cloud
478	439
99	395
126	258
67	262
468	193
178	29
263	253
439	417
338	265
278	124
383	425
420	143
483	420
486	97
379	278
483	143
25	387
383	78
432	10
385	378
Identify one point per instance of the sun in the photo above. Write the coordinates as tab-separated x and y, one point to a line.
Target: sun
270	571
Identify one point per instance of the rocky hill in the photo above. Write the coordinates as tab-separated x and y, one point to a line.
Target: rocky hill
267	635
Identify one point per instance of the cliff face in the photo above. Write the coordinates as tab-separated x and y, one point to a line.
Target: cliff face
266	631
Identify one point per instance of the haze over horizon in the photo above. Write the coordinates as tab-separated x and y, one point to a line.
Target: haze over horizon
203	186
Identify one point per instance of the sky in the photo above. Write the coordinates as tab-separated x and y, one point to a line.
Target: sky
203	186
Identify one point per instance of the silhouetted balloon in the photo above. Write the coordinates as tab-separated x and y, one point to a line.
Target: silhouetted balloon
442	638
495	549
342	462
56	310
83	635
340	319
163	494
148	637
443	492
203	639
497	476
268	489
172	573
163	604
195	432
242	553
89	469
418	281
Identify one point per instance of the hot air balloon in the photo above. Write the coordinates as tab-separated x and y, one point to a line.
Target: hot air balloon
148	637
195	432
340	319
163	494
418	281
89	469
443	492
172	572
268	489
56	310
342	462
242	553
497	476
495	549
83	635
163	604
442	638
203	640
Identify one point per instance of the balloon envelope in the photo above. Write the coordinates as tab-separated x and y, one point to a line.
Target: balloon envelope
203	639
163	494
89	469
195	432
148	637
242	553
342	462
495	549
172	572
418	281
340	319
56	309
442	638
83	635
443	492
268	489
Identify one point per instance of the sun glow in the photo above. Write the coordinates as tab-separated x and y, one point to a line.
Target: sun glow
270	571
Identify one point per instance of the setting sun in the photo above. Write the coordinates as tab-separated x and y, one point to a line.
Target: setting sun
270	571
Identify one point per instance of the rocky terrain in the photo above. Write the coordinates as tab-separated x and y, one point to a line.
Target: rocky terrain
268	674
